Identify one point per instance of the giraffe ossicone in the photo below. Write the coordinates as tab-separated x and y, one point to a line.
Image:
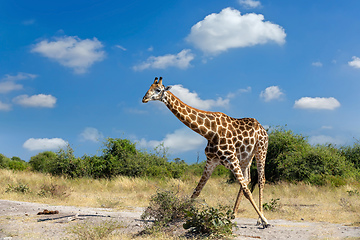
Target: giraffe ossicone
232	142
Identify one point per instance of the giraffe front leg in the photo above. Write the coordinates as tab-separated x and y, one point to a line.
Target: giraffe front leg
209	168
238	199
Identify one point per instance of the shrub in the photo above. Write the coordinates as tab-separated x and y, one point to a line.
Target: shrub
17	164
53	190
210	221
282	143
96	167
20	188
42	161
352	154
4	161
290	157
166	207
311	164
273	205
116	156
66	164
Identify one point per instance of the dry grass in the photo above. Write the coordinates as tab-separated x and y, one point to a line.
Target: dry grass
297	201
311	203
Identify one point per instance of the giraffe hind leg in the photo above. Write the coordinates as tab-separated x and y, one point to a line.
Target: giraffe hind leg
240	193
238	198
239	175
260	162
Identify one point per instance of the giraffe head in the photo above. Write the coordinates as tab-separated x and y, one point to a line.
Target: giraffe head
156	91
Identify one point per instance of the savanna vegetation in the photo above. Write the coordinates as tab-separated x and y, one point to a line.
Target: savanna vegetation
290	158
315	183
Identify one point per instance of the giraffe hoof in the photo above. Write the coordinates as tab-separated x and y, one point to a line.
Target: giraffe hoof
263	224
266	225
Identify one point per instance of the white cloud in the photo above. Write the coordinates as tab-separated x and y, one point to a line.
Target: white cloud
271	93
355	62
250	3
239	92
120	47
193	99
91	134
181	140
35	144
317	64
5	106
317	103
9	86
19	76
72	52
8	82
323	139
229	29
40	100
181	60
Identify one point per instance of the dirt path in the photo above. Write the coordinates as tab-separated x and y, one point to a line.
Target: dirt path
19	220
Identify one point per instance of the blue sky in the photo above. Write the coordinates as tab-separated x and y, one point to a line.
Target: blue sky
75	71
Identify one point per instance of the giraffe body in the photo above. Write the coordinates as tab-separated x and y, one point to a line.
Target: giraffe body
232	142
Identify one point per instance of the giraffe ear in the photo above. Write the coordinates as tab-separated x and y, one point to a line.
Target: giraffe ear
167	88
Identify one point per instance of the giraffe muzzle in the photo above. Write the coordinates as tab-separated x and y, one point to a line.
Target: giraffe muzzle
145	100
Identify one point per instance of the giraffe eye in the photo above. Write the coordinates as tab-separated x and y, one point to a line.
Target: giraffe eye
157	90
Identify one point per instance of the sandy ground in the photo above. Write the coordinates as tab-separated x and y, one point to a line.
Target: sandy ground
19	220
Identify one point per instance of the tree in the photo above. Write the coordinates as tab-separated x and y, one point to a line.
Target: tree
43	161
4	161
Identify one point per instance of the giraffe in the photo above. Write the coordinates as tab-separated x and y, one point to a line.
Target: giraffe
232	142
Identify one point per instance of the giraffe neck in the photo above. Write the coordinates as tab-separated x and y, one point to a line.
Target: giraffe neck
202	122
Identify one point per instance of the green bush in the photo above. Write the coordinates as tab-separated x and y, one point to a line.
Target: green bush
282	143
4	161
291	158
20	188
166	207
15	163
210	221
18	165
42	161
120	157
273	205
66	164
352	154
310	163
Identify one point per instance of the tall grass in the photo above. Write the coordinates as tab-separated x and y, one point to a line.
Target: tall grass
296	201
